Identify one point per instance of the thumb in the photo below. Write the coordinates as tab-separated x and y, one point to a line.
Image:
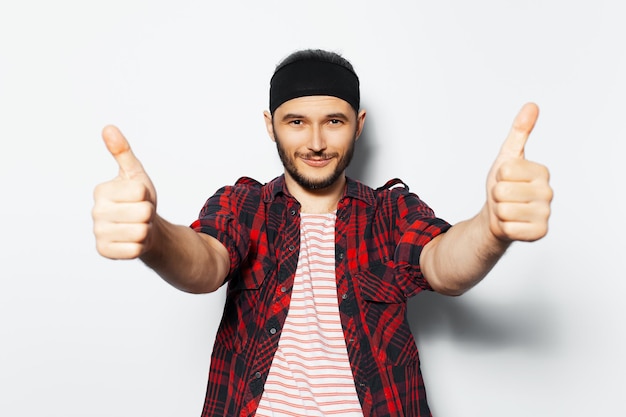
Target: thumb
119	147
513	146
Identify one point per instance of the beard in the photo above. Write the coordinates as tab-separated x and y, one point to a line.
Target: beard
314	183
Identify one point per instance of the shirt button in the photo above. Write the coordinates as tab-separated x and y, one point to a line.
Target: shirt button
283	289
257	375
340	256
292	212
344	296
273	330
291	247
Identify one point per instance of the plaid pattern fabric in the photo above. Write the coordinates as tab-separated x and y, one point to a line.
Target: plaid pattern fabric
379	237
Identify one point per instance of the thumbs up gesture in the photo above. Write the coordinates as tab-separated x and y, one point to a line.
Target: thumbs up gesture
518	190
125	206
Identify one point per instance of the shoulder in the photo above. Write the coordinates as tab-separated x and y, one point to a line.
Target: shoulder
247	182
390	192
395	193
246	194
395	187
246	186
360	191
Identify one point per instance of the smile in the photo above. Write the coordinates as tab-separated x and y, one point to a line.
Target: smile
317	162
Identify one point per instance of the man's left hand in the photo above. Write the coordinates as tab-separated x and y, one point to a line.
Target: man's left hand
518	190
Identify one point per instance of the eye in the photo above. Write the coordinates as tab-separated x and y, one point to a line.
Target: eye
335	121
295	122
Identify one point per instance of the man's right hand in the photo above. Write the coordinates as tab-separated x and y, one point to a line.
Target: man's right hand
124	207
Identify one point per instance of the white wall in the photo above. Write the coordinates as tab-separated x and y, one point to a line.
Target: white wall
187	82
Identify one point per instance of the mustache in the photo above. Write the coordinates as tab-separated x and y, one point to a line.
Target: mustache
316	155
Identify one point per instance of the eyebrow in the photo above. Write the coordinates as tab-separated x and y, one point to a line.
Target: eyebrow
337	116
291	116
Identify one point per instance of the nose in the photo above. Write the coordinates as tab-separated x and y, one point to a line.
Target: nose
317	143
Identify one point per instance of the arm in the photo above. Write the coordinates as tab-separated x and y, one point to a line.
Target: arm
517	208
126	226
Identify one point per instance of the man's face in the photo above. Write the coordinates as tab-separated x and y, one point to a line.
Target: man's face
315	138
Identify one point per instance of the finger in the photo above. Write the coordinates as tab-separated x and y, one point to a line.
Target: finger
536	212
124	213
119	147
120	250
514	192
121	191
122	233
522	170
523	124
523	231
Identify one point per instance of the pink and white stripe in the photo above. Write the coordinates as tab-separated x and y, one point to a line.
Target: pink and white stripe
310	373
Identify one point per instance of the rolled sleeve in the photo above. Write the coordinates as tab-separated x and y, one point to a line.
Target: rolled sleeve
419	226
218	218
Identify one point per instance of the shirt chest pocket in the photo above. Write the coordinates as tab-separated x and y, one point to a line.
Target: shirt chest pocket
384	314
244	310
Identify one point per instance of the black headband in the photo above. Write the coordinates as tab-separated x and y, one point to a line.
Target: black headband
313	78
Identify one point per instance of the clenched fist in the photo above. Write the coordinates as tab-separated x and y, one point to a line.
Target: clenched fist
518	190
125	206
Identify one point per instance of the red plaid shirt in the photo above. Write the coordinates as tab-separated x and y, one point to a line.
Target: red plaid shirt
379	237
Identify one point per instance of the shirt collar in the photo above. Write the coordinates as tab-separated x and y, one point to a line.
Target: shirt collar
354	189
273	188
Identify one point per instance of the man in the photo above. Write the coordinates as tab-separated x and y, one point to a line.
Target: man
319	266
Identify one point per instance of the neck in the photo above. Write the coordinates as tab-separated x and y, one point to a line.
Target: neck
317	201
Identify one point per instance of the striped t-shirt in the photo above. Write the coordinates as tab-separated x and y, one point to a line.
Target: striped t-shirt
310	373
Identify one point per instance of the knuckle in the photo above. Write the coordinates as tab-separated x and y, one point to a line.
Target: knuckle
98	191
100	247
505	211
137	233
506	170
540	210
98	230
134	251
497	211
509	230
146	211
137	190
549	193
544	212
105	249
535	234
98	211
498	191
142	232
544	171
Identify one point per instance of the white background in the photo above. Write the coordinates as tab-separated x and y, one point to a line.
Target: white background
187	82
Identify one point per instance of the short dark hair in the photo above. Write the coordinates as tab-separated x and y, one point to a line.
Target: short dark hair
315	55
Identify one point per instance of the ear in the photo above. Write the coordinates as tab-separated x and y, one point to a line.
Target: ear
268	125
360	121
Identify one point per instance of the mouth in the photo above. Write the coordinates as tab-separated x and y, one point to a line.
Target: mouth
317	161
